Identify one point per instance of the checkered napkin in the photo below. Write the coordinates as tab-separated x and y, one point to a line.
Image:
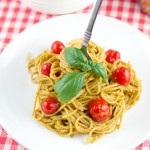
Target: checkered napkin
15	17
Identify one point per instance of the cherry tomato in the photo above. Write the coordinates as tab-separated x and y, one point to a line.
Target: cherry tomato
46	68
57	47
112	56
50	105
99	109
122	75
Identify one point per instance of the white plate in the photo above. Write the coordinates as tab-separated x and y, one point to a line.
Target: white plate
17	92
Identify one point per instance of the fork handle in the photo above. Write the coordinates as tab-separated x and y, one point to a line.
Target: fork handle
88	32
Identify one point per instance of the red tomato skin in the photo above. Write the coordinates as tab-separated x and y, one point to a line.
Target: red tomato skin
99	109
57	47
50	105
112	56
46	68
122	76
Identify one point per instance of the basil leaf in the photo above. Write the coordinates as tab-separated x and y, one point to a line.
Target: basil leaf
69	86
98	69
75	58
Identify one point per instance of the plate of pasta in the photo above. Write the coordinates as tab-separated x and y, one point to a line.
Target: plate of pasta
52	95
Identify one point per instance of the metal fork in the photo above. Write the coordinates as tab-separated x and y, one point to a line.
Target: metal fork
88	32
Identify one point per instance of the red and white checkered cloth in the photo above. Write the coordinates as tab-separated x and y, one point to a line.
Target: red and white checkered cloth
15	17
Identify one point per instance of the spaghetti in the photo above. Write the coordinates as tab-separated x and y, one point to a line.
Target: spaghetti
72	117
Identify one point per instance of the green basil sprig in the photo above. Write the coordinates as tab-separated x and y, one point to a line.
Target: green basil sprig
75	58
69	85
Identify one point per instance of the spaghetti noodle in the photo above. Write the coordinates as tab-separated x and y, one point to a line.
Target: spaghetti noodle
72	117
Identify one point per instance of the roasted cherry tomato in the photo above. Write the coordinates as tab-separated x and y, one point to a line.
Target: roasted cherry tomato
112	56
57	47
46	68
122	75
99	109
50	105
